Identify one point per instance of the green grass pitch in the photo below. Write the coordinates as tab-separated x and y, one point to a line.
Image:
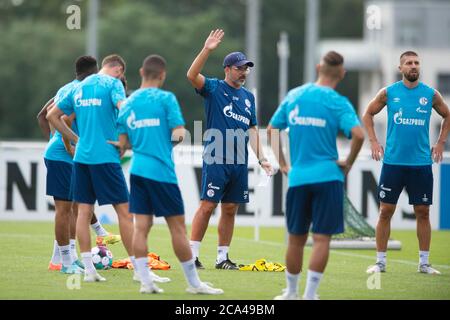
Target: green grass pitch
26	248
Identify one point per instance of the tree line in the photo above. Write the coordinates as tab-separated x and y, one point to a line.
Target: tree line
37	50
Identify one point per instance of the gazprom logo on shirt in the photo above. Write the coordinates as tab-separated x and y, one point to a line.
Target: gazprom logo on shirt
398	119
79	102
228	111
136	124
294	119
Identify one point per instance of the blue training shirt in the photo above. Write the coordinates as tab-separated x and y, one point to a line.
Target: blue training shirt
148	117
314	115
229	109
409	111
94	102
55	149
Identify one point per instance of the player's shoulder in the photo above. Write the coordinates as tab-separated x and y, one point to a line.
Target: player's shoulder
68	86
296	93
165	94
164	97
156	94
72	84
136	97
395	85
331	93
101	80
426	87
212	82
390	90
91	78
333	100
247	92
66	90
134	94
144	95
312	92
249	97
209	87
340	102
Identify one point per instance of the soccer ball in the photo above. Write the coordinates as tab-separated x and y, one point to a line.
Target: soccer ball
102	257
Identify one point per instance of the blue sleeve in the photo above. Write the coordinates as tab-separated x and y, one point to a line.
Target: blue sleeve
65	102
117	92
173	112
60	94
279	119
122	120
348	119
209	87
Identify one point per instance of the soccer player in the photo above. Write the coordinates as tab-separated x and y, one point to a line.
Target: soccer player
314	113
150	120
59	170
97	172
408	157
231	123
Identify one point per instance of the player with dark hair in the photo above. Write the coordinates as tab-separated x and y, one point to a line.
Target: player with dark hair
151	121
98	175
408	157
231	124
59	163
314	114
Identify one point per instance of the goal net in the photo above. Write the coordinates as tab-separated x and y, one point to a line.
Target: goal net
358	233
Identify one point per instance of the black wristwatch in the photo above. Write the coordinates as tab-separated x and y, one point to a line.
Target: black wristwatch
261	160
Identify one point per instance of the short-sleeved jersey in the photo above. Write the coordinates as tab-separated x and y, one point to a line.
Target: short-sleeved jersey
408	128
230	112
314	115
148	117
55	148
94	102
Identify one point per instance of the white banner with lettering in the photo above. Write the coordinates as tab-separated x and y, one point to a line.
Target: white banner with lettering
23	175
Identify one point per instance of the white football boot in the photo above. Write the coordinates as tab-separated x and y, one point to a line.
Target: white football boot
376	268
93	277
426	268
154	277
204	289
287	296
150	288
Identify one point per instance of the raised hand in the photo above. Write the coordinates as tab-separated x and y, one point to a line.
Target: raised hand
214	39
